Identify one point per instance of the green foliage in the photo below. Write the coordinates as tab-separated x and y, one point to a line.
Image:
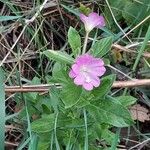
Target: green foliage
44	140
70	94
33	96
44	124
108	111
117	7
59	56
72	125
107	134
34	142
99	110
115	140
54	98
71	10
101	47
126	100
105	87
74	41
59	74
102	112
68	116
84	9
133	12
43	145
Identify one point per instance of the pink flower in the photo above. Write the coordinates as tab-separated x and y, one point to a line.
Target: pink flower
87	70
92	20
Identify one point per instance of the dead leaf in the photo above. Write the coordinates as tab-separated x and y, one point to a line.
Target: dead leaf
117	55
140	113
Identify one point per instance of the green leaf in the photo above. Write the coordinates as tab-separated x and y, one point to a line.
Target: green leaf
117	6
60	74
106	61
7	18
82	102
102	47
71	10
70	94
44	140
2	110
104	87
74	41
42	145
65	122
44	124
126	100
61	57
115	141
135	12
102	131
54	98
110	112
32	96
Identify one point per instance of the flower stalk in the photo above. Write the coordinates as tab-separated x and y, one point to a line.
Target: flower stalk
85	43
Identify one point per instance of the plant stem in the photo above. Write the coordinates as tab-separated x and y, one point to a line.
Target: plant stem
85	42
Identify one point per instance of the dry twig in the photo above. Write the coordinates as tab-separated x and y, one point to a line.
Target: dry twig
21	33
142	143
122	48
46	87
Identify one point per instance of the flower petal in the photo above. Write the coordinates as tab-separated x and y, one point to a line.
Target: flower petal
72	74
87	70
79	80
98	71
96	62
101	22
83	18
97	20
92	20
84	59
88	86
75	68
95	82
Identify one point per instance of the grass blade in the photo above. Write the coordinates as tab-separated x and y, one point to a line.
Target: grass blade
147	37
7	18
115	141
55	127
2	110
33	142
23	145
86	132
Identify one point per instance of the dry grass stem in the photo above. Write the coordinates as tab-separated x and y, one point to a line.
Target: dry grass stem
122	48
45	87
